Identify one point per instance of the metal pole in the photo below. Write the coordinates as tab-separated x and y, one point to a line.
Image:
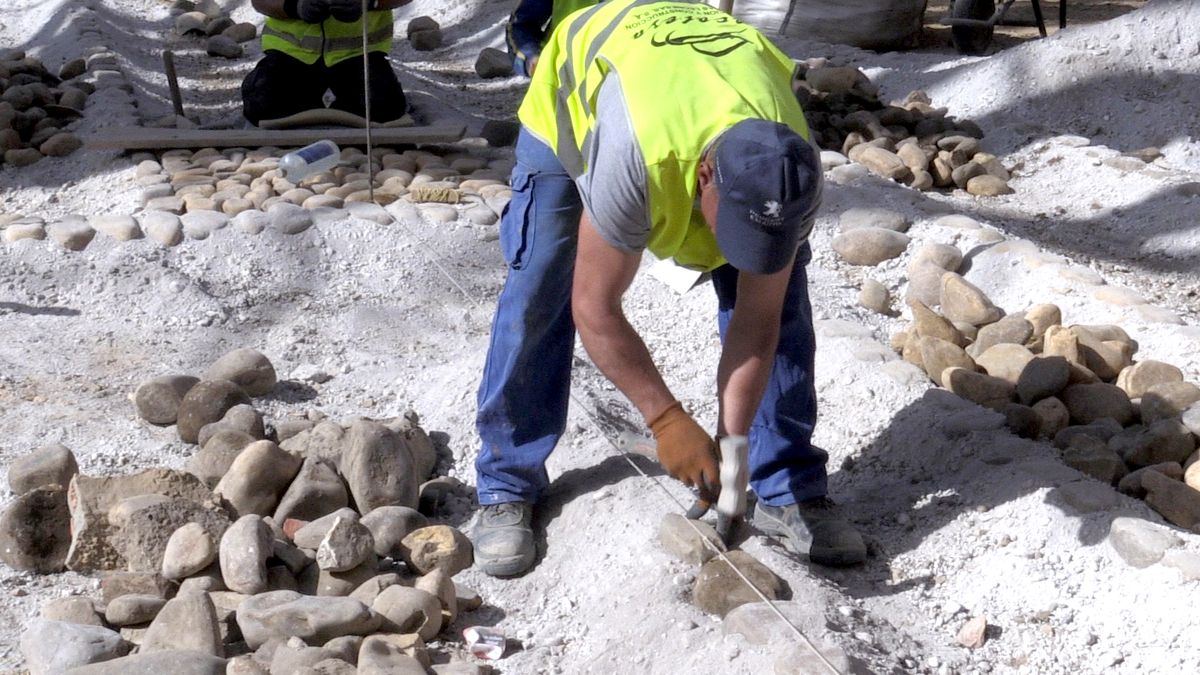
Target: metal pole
168	58
367	101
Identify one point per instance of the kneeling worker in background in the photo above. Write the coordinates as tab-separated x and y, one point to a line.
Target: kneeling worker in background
313	59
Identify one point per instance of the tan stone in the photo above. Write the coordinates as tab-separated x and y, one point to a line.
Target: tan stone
937	355
913	157
927	322
1042	317
884	163
946	256
718	589
990	392
963	301
987	185
869	245
1005	361
1061	341
1139	377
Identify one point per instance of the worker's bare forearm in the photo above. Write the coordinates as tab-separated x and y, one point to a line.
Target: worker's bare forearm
602	275
751	339
742	375
619	352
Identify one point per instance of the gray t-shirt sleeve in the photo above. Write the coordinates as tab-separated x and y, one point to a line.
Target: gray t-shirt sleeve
613	188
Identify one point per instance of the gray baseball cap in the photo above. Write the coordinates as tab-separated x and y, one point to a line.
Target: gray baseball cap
769	181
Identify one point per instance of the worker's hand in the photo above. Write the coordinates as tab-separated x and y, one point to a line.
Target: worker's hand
348	11
531	65
312	11
687	452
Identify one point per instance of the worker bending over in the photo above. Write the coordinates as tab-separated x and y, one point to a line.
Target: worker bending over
313	59
672	127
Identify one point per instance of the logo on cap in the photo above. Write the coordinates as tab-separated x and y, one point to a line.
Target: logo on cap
771	216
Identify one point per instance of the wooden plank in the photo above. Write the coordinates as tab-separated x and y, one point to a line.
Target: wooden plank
139	138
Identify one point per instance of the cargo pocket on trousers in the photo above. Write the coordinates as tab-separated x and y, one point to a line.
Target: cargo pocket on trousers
516	233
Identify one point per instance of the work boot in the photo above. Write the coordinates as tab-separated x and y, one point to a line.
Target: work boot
814	528
503	539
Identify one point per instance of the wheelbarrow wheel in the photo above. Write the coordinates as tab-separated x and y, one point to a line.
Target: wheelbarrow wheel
972	39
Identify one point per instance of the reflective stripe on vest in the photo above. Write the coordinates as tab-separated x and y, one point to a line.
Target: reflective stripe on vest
332	40
688	72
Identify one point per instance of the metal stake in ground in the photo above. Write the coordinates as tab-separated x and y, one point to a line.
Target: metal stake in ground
367	101
172	81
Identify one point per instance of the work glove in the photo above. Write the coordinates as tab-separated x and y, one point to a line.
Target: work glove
687	452
346	10
312	11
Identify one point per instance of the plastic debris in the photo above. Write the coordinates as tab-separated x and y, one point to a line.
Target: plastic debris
485	643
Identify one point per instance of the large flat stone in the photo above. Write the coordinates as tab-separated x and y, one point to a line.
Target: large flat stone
90	498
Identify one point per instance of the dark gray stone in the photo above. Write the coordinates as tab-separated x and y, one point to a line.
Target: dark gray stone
1091	402
204	403
1171	399
1166	440
1043	377
158	400
223	46
218	453
35	531
493	63
143	536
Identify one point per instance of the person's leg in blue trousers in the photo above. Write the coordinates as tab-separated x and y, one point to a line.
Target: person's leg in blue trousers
784	466
527	376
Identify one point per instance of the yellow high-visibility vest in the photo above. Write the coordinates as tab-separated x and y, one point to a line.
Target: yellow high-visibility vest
333	40
687	71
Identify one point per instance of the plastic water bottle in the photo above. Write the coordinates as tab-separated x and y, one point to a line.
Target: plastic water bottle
310	159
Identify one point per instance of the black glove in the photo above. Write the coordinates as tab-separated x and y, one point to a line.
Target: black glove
345	10
313	11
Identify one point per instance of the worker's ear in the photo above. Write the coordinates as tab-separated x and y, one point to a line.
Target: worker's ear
704	174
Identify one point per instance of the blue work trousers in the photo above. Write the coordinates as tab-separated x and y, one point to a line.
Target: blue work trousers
527	376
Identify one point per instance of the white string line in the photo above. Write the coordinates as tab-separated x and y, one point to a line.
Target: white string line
617	451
